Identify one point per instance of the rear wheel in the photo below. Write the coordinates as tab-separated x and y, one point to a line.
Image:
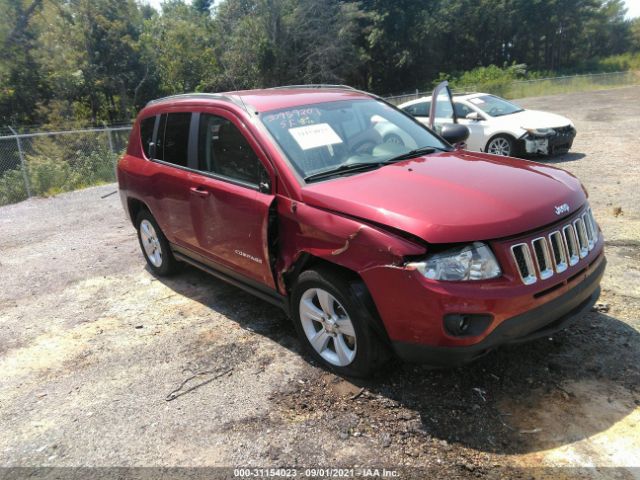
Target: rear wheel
333	324
501	145
154	245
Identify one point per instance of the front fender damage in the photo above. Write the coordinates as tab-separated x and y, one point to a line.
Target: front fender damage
344	241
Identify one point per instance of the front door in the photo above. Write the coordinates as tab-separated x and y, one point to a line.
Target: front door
441	111
231	196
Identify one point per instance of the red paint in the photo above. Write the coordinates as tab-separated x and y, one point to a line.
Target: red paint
368	222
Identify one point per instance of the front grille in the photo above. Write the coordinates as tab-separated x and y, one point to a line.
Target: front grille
568	130
557	251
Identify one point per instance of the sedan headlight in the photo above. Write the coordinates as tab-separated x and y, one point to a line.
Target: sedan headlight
540	132
469	262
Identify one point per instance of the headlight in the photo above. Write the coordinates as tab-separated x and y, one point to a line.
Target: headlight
470	262
540	132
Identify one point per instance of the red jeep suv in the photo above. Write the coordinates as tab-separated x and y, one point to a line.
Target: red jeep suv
371	231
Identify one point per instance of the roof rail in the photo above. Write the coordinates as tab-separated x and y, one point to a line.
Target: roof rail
196	96
314	85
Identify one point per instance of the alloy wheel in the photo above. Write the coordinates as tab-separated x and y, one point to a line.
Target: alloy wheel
151	243
500	146
328	327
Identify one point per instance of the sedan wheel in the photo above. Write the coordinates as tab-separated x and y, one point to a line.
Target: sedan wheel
328	327
500	146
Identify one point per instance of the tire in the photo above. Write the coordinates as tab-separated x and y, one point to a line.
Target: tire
344	341
503	145
154	245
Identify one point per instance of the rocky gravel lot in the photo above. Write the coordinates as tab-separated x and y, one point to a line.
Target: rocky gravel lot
104	365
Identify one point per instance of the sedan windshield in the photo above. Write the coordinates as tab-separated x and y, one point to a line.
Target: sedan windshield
347	136
495	106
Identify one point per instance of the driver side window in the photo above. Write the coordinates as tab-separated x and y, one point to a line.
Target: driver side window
462	110
223	150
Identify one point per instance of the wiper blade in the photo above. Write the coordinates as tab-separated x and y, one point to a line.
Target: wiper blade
413	153
349	167
510	113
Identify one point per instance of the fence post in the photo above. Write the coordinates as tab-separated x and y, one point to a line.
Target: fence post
110	139
23	164
113	153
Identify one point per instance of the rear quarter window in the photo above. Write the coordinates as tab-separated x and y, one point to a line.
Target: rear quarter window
146	134
174	132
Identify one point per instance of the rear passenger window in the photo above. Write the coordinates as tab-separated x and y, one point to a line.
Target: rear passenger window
146	134
420	109
174	132
223	150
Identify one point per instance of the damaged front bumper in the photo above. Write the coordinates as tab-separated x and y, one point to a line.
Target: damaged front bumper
558	142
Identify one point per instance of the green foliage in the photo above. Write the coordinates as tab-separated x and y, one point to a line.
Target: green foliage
516	82
61	169
619	63
78	62
177	48
486	79
12	187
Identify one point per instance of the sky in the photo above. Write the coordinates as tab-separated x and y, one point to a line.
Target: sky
633	6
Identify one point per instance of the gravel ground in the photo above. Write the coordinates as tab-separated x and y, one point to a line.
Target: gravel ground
104	365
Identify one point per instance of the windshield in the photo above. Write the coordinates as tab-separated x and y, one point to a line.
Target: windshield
333	136
495	106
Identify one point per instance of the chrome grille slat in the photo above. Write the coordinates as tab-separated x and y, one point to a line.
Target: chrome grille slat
571	243
559	250
523	259
543	259
581	234
587	218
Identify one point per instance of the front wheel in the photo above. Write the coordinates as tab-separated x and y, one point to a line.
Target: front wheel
334	325
501	145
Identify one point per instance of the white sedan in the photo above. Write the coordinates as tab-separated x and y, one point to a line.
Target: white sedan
495	125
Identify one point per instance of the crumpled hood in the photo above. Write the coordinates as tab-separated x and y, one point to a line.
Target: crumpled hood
453	197
534	119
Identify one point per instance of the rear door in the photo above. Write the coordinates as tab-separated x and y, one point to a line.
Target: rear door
230	196
420	110
169	178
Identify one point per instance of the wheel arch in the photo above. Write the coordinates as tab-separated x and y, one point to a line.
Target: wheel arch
306	261
134	207
515	141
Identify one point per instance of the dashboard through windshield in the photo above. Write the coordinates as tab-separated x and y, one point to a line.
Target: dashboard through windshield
495	106
331	136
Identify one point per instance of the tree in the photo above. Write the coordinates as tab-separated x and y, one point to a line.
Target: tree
21	85
89	50
179	46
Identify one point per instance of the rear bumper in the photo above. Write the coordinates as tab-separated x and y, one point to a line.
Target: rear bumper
541	321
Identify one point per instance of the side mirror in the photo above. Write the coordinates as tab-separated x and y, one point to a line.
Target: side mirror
454	133
264	186
475	116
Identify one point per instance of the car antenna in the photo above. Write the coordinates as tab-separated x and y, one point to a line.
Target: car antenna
233	83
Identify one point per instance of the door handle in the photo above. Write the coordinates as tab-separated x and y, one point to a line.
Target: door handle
199	191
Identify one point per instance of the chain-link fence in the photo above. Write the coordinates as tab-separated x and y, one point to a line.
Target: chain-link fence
46	163
538	87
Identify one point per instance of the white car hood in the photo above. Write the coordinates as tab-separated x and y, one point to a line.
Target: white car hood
533	119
